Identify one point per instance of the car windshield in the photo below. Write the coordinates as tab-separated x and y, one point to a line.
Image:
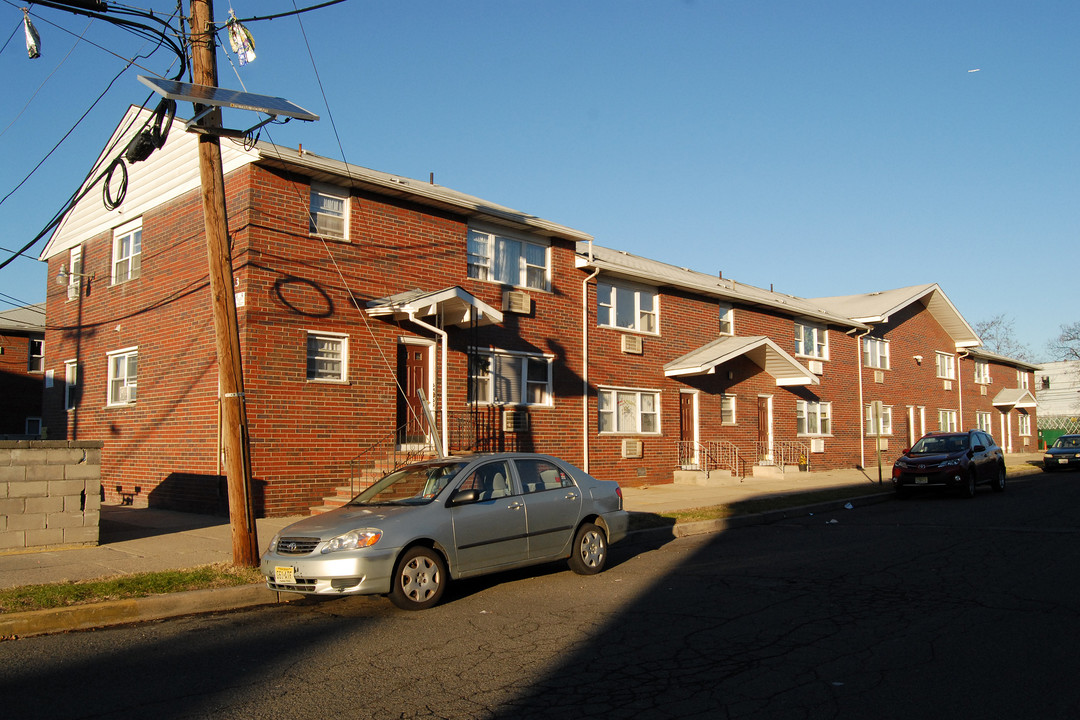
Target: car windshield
1068	442
411	485
940	444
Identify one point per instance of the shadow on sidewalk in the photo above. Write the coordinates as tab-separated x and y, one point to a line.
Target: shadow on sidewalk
119	523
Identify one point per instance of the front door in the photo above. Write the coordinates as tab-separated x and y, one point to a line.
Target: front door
687	429
763	429
413	369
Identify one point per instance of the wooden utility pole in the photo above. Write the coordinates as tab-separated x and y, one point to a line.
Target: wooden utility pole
233	412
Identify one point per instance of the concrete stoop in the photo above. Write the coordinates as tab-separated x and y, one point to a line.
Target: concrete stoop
724	478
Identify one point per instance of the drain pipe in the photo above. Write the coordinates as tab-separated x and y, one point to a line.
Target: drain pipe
960	388
862	411
585	364
442	379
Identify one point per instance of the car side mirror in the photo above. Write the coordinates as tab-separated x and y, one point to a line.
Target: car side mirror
463	497
980	448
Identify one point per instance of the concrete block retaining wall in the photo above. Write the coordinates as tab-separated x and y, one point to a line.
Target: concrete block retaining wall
50	493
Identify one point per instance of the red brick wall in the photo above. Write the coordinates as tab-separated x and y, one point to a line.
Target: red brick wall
20	388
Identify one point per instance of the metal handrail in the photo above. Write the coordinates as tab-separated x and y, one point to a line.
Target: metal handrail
386	455
712	455
783	453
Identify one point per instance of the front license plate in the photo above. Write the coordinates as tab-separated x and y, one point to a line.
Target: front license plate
284	575
1063	461
920	481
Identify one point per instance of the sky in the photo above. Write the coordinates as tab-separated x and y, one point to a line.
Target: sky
817	149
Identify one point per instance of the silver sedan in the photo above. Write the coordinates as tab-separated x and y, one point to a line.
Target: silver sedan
412	531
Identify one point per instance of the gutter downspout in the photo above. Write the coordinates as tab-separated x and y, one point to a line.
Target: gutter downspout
442	379
960	387
585	364
862	411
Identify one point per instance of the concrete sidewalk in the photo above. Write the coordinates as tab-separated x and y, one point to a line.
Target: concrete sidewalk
137	540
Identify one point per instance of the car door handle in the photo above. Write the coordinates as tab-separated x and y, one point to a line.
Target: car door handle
516	505
571	496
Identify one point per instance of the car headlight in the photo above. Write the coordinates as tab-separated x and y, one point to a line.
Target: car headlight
1048	456
353	540
950	462
901	464
273	544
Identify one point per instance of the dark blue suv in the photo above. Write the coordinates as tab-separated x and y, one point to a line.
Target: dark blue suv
951	460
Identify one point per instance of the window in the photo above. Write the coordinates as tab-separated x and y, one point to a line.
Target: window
33	426
983	421
727	319
127	253
629	411
123	376
875	353
507	260
71	384
502	378
327	355
540	475
813	418
36	354
811	341
946	366
946	420
982	372
74	283
1025	424
879	426
727	409
1021	380
626	306
329	211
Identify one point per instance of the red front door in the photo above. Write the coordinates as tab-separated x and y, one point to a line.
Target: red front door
763	428
412	376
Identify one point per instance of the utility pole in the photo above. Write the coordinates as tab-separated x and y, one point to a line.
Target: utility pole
233	412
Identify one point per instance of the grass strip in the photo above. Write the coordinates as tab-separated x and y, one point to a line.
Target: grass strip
57	595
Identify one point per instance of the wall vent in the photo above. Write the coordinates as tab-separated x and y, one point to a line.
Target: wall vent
817	445
816	367
632	448
633	344
516	301
948	384
879	376
982	389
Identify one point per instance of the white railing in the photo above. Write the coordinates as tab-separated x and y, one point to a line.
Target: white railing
711	455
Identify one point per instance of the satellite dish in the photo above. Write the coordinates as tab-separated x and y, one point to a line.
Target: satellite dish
221	97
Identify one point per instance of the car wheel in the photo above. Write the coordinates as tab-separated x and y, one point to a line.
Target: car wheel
419	579
999	479
589	553
968	489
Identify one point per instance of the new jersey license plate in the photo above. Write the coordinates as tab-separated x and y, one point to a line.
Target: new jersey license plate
284	575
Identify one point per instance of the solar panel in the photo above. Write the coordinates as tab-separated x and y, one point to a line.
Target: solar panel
221	97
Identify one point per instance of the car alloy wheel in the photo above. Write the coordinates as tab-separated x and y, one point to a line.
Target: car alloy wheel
589	554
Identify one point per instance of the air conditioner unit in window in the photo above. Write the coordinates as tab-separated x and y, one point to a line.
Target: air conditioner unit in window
632	448
817	445
330	225
126	393
948	384
515	421
816	367
633	344
516	301
879	376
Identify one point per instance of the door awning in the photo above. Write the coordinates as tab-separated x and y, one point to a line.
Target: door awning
765	353
1014	397
453	306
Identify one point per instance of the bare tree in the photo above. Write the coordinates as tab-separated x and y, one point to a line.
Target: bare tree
1067	345
999	336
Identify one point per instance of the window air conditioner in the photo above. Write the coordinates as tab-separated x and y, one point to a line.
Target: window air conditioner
330	225
126	393
633	344
816	367
632	448
516	301
515	421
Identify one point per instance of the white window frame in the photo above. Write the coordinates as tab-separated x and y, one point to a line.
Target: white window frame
503	377
886	421
813	418
127	253
321	211
489	259
945	365
74	281
984	421
875	353
728	407
622	411
727	319
35	354
122	388
982	373
646	319
71	384
317	358
818	338
1023	423
947	420
1022	381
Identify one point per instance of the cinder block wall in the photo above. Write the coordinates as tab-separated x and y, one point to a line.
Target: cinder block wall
50	493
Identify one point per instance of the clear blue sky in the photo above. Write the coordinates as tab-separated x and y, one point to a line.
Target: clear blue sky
821	148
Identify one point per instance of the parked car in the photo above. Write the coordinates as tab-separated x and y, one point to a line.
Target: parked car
1063	454
412	531
954	460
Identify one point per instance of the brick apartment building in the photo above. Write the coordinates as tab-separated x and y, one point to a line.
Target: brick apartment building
22	371
356	288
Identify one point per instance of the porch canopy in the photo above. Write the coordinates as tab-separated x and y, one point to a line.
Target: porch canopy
765	353
452	306
1014	398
